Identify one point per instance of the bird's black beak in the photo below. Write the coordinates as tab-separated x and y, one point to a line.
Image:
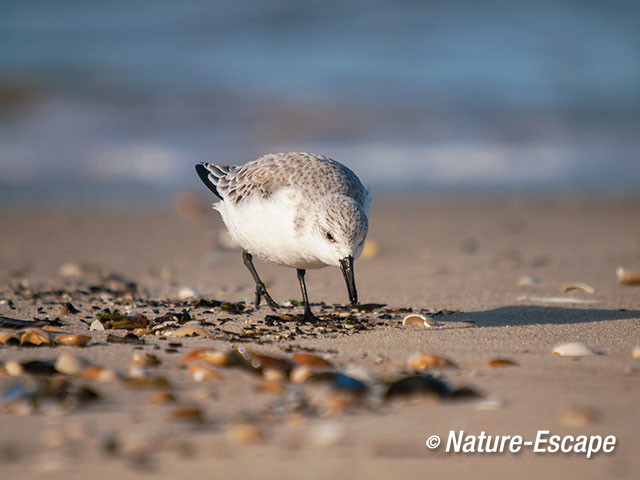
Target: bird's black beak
346	265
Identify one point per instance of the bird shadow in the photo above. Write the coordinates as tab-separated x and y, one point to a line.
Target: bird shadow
516	315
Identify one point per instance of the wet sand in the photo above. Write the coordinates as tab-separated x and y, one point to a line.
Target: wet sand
489	271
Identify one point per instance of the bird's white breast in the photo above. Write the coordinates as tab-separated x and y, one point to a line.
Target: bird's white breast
267	228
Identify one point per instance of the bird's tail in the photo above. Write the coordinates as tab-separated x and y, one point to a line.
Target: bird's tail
210	174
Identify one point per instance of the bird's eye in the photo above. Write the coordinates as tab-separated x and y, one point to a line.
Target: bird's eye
330	237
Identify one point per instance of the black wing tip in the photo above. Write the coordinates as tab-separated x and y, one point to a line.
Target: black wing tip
203	173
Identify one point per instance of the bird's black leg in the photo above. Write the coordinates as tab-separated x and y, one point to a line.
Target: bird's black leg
308	316
261	290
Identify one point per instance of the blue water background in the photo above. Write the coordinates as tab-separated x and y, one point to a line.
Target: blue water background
116	100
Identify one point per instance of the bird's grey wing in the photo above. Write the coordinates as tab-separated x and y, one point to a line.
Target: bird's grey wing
211	175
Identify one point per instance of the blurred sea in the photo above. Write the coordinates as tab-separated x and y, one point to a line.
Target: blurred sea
116	100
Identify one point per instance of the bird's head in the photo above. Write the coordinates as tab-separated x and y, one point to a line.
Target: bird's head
340	229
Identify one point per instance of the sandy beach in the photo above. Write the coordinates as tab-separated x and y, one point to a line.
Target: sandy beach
491	272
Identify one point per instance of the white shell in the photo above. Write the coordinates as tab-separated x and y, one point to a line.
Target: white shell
574	349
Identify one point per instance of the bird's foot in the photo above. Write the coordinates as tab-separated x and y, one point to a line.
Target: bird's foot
309	317
261	291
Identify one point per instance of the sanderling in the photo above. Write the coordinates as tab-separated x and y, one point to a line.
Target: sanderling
297	209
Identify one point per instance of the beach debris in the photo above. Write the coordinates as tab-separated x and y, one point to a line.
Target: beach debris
162	398
569	300
419	321
17	324
189	414
96	326
190	331
465	392
53	397
627	277
369	307
13	368
130	338
501	362
68	309
70	270
151	383
492	402
9	337
35	336
371	249
69	364
426	361
117	320
528	281
310	360
574	349
140	361
200	372
577	417
635	353
424	385
244	433
210	356
271	368
72	339
578	287
327	434
187	293
99	374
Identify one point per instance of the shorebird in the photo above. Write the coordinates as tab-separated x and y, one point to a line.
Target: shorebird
299	210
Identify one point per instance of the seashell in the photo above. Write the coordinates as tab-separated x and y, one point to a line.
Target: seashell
208	355
99	374
577	417
35	336
96	326
425	361
528	281
635	353
419	321
574	349
161	398
418	385
190	331
244	434
627	277
200	372
73	340
300	374
13	368
578	287
7	336
145	360
70	270
310	360
501	362
259	363
187	293
371	249
187	414
68	364
52	328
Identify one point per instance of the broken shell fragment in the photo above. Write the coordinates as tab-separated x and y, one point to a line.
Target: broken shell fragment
262	364
574	349
99	374
244	434
577	417
418	386
69	364
419	321
200	373
425	361
310	360
190	331
35	336
8	337
73	340
501	362
578	287
208	355
635	353
96	325
13	368
627	277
